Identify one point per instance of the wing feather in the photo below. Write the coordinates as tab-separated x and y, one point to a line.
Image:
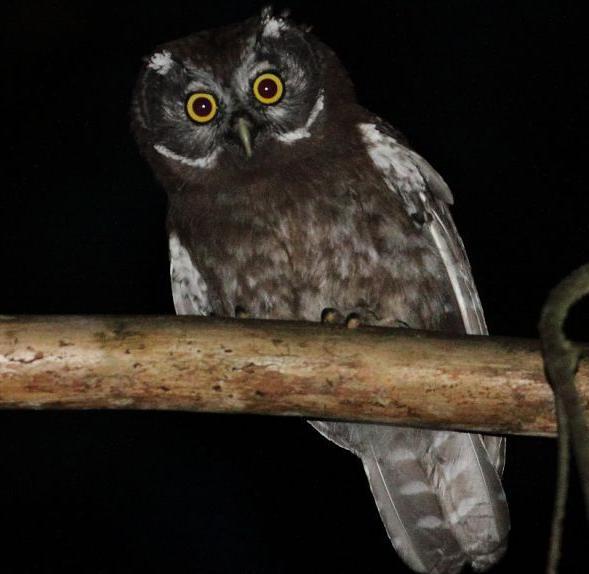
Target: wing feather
438	493
189	289
425	193
457	473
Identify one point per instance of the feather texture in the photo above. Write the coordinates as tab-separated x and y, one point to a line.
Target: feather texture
439	493
189	289
331	208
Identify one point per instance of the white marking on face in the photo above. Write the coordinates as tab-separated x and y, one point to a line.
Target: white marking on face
304	132
205	162
260	68
161	62
247	72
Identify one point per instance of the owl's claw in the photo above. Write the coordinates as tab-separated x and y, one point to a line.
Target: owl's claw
241	312
330	316
353	321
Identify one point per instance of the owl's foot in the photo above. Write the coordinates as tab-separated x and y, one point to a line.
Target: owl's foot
351	320
331	316
241	312
358	316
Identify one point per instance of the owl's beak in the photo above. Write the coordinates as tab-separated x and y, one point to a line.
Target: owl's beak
243	127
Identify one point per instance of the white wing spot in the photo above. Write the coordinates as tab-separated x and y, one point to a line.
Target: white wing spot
429	522
393	159
466	505
415	487
452	471
401	454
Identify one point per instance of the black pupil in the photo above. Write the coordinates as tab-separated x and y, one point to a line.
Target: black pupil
268	88
202	106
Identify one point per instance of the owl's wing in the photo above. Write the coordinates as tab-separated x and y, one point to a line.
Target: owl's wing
189	289
439	493
426	197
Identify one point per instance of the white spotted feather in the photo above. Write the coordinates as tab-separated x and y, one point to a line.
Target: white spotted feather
189	289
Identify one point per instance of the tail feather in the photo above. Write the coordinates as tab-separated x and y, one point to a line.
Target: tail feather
438	493
471	494
401	538
410	509
495	446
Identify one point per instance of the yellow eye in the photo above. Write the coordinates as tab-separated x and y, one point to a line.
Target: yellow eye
268	88
201	107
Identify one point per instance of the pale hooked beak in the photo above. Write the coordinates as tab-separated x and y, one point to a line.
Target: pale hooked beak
243	127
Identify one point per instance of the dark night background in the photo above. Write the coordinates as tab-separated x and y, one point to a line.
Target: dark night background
489	92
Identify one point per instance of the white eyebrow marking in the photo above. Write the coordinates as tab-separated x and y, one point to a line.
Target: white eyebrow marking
161	62
205	162
304	132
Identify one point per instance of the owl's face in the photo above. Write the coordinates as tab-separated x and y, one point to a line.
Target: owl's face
231	95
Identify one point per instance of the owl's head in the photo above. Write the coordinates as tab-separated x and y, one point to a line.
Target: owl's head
236	95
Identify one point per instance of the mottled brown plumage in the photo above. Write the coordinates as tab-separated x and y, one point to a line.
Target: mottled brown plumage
329	208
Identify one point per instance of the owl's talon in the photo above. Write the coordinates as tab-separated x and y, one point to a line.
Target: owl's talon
241	312
330	316
353	321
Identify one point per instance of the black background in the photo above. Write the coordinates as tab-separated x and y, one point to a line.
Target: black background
489	92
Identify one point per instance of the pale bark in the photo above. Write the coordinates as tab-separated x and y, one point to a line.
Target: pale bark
396	376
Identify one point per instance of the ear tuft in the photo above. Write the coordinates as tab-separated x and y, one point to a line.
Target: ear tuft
160	62
272	26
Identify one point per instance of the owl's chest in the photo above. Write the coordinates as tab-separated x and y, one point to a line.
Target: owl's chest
289	256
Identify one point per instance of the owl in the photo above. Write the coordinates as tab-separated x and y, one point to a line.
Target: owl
288	200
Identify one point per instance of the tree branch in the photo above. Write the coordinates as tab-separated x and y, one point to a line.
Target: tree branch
398	376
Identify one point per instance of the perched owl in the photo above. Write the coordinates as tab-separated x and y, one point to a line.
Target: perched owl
287	198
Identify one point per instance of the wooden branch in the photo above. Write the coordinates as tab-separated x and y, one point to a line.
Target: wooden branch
397	376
